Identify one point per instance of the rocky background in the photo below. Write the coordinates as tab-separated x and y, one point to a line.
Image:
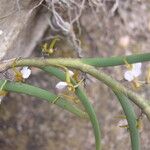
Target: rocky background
96	28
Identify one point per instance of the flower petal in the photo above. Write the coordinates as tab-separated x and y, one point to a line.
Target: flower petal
25	72
129	76
136	72
122	122
137	66
61	85
137	69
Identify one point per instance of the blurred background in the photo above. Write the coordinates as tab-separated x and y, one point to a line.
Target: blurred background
86	28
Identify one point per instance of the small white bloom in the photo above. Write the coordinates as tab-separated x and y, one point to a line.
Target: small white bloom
61	85
122	123
1	32
136	66
137	69
128	75
25	72
134	72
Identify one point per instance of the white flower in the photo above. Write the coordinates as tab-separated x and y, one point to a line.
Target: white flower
133	73
122	123
62	85
25	72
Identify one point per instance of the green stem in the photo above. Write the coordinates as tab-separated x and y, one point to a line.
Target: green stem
83	98
113	84
131	118
42	94
138	100
97	62
116	60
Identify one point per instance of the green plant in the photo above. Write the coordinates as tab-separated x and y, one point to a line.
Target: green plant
59	67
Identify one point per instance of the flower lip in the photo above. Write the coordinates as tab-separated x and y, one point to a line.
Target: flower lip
26	72
134	72
122	123
61	85
137	66
128	75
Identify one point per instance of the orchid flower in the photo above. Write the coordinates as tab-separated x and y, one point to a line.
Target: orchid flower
135	71
123	123
26	72
62	85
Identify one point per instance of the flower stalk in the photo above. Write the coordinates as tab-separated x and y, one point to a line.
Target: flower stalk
76	64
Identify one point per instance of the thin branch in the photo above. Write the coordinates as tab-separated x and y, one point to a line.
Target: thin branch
77	64
42	94
85	101
96	62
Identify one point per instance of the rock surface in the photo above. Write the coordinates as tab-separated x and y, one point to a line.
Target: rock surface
22	27
27	123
